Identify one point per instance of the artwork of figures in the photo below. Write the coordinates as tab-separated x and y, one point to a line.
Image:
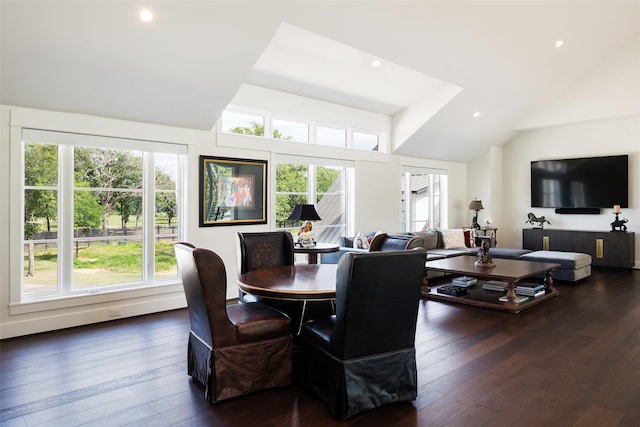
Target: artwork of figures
235	192
232	191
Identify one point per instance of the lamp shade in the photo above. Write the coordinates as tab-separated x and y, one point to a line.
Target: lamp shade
303	213
476	205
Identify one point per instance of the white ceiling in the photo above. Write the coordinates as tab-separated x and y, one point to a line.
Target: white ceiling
184	67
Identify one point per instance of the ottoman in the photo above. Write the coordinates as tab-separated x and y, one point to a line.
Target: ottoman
574	266
507	253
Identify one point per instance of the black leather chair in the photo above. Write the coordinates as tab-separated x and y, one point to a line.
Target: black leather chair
233	349
364	356
395	242
264	249
270	249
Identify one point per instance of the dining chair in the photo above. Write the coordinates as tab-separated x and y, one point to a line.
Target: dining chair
232	349
271	249
263	249
364	356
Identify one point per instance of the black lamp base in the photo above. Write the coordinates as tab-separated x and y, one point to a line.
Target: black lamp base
474	223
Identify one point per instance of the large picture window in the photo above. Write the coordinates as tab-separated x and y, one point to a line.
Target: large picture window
97	216
325	184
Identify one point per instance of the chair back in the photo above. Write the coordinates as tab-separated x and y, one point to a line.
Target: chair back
395	242
204	279
264	249
377	297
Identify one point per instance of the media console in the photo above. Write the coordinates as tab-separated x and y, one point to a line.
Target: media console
607	248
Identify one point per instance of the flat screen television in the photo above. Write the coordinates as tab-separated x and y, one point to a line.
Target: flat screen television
591	182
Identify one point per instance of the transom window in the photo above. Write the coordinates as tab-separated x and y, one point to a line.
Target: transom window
266	125
97	216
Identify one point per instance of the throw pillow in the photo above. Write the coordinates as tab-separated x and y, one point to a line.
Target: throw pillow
360	241
453	238
430	238
356	241
364	242
470	237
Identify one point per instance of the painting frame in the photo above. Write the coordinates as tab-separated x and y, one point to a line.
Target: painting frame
233	191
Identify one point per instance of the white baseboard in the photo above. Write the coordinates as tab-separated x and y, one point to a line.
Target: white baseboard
92	314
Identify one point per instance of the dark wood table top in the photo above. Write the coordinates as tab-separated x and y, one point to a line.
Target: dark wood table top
293	282
321	248
510	270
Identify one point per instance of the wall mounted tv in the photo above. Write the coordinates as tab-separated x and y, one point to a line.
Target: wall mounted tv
584	183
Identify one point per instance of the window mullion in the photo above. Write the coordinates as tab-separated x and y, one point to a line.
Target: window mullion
311	184
65	218
148	216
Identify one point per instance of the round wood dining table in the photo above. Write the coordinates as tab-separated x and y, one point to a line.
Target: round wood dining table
301	282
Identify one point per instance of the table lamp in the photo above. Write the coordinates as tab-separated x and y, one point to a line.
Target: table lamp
305	213
475	205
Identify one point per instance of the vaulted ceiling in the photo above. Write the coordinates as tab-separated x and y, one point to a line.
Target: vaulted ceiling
182	69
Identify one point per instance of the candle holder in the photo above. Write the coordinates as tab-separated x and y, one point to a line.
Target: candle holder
619	224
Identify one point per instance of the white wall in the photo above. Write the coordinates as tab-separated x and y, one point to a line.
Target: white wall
598	138
598	115
377	187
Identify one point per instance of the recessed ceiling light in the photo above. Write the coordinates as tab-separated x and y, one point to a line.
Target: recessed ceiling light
559	43
146	15
476	114
376	63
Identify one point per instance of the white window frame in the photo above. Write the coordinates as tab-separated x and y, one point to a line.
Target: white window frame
19	303
311	192
269	117
408	210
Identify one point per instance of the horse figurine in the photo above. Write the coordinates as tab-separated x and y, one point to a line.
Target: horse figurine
618	224
537	220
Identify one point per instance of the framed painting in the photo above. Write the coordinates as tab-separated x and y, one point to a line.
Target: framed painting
232	191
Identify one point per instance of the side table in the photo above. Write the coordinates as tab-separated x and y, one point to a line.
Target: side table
491	232
319	248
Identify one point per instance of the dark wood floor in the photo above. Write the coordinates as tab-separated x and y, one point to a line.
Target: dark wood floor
572	361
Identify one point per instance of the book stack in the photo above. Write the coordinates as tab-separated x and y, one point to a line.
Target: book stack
519	298
495	285
452	290
530	289
464	281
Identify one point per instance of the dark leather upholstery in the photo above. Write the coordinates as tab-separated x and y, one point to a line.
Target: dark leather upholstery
270	249
395	242
263	249
364	356
235	349
266	249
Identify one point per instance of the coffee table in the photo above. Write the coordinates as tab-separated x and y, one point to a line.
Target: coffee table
506	270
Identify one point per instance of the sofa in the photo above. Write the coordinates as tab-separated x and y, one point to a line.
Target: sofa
448	243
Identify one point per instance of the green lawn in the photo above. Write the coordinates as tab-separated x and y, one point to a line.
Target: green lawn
101	264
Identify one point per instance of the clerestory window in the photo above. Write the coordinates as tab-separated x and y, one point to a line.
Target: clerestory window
299	130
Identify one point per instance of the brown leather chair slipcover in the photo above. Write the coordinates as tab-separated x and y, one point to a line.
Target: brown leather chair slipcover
364	356
234	349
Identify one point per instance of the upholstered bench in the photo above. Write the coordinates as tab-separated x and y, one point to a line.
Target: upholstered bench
573	265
